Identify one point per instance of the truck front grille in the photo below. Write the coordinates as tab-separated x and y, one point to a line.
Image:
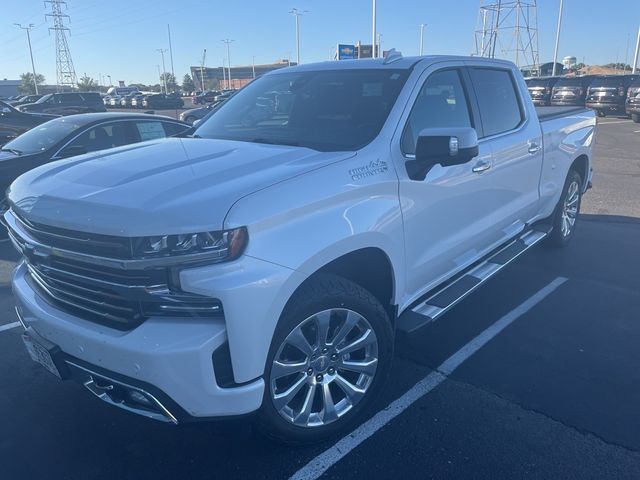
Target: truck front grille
120	298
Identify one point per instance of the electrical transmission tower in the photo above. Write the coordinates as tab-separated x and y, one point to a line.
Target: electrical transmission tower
65	73
508	29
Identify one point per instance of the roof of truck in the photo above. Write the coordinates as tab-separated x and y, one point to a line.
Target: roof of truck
393	63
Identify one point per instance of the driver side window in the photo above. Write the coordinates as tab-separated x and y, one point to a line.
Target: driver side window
441	103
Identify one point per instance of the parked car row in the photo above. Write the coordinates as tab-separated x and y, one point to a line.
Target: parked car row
617	94
142	100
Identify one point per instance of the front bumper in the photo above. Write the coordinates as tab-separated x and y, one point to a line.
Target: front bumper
631	108
606	107
171	357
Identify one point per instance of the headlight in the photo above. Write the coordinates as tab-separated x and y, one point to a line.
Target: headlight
218	246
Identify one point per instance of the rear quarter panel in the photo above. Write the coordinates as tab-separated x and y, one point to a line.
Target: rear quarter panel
565	139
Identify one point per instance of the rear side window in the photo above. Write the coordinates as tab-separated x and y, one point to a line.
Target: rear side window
500	109
150	130
441	103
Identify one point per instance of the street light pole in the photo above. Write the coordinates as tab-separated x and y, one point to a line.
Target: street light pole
373	32
297	13
111	83
635	57
253	65
422	25
164	70
555	52
159	77
171	52
33	67
228	42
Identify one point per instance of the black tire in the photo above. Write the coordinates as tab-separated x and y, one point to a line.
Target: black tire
601	113
559	237
635	117
320	293
190	119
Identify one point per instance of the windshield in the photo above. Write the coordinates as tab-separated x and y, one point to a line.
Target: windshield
44	99
327	110
43	136
538	82
611	81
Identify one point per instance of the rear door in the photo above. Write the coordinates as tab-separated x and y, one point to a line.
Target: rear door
512	132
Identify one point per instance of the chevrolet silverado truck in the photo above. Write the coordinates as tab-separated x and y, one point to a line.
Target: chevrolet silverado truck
265	263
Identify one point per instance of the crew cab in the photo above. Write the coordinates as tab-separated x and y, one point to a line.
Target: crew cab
265	264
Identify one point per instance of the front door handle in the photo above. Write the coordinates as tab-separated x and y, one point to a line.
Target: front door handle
481	166
533	148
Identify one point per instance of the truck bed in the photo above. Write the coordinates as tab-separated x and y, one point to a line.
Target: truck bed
549	113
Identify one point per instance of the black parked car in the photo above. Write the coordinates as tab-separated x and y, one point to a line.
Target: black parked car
571	91
205	97
65	137
540	89
608	94
162	101
66	104
632	106
13	122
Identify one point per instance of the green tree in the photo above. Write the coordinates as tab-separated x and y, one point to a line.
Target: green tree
169	80
187	83
26	83
87	84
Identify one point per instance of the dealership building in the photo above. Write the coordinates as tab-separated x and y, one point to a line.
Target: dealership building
240	75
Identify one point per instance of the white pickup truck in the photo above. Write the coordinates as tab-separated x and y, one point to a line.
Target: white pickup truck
265	264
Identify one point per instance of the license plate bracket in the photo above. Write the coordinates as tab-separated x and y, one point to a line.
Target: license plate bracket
44	353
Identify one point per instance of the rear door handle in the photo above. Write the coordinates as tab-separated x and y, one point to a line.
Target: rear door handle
481	166
533	148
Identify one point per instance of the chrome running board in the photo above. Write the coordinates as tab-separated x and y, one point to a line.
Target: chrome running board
444	298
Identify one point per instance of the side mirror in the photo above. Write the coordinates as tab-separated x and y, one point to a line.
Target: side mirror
444	146
196	122
72	151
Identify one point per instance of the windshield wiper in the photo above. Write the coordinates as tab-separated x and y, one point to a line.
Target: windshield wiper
12	150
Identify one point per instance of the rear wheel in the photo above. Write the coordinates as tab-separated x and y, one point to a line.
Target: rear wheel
601	113
635	117
566	212
329	357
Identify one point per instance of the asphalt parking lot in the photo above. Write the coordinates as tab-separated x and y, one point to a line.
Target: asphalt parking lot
535	375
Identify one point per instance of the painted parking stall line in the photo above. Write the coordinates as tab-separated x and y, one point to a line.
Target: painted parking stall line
9	326
320	464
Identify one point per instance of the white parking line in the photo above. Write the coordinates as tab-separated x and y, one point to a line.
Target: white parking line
320	464
9	326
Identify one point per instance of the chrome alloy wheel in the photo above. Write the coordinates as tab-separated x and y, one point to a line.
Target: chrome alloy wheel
570	209
324	367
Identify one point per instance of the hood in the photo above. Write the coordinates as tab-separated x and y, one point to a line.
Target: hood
172	185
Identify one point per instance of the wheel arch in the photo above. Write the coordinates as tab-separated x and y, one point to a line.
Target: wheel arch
581	165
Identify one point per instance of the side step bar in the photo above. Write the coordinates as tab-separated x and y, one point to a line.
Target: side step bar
443	299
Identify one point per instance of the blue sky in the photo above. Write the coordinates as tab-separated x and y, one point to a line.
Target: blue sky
120	38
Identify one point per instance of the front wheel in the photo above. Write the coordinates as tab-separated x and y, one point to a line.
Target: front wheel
566	212
328	360
635	117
